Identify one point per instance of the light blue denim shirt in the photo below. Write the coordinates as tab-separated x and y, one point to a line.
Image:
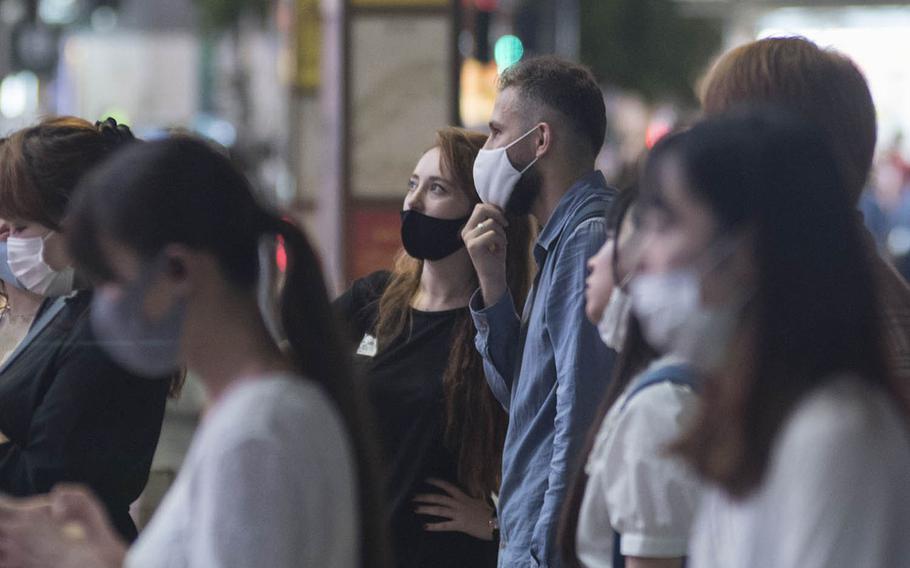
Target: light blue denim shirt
552	393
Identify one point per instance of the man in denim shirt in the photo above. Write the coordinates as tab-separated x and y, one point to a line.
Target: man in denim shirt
549	368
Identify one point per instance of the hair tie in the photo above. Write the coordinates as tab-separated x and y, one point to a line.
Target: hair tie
115	134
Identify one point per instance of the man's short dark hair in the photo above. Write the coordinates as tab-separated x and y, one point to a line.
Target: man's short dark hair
566	87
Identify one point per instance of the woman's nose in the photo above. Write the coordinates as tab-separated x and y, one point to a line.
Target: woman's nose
414	200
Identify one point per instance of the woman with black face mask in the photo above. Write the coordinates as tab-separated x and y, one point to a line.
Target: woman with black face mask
440	427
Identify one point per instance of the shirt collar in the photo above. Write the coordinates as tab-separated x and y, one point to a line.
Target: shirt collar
565	210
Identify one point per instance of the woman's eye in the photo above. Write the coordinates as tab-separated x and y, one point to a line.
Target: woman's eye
412	185
437	188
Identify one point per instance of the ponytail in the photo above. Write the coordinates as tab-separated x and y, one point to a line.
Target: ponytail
316	349
182	190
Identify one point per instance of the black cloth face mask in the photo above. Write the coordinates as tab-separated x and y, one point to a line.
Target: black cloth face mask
430	238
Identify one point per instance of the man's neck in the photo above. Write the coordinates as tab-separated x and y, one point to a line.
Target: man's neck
553	188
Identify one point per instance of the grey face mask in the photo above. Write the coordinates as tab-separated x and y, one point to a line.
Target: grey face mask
6	273
143	347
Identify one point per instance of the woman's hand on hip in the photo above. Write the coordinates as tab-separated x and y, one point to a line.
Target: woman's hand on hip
461	512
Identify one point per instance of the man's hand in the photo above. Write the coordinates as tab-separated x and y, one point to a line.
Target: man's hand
484	236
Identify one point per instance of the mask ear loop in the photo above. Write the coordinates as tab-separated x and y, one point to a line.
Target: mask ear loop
516	141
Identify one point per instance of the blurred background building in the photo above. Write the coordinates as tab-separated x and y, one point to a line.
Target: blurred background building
327	104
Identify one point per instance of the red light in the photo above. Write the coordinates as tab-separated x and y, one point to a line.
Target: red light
656	131
281	255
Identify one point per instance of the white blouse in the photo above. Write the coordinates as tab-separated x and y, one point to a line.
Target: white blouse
269	481
836	492
634	487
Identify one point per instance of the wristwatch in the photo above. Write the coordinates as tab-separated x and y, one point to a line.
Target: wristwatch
494	527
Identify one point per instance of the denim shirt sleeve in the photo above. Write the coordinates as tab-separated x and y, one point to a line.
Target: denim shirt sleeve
583	365
498	328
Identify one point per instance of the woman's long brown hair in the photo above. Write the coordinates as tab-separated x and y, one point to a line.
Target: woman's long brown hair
475	422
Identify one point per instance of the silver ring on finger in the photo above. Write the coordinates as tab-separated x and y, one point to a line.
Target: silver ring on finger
481	225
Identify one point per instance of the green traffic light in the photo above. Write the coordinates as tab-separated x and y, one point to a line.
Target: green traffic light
508	51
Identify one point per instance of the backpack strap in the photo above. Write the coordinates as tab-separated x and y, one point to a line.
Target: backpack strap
677	374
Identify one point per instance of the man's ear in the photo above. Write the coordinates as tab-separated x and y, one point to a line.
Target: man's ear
544	139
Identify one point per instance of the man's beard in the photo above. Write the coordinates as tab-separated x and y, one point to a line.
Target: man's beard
525	193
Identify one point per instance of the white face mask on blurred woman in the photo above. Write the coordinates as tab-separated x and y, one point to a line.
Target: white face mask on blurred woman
674	317
610	315
664	303
615	319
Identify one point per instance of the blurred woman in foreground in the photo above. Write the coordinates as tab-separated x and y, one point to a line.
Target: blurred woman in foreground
802	434
279	474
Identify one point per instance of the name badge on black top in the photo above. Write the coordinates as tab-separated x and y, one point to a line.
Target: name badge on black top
368	346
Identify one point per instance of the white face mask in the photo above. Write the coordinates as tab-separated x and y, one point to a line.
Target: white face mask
664	304
26	260
495	176
612	326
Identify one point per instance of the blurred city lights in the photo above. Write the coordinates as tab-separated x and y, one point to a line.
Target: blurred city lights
104	19
478	92
899	241
12	11
18	94
58	12
218	129
508	51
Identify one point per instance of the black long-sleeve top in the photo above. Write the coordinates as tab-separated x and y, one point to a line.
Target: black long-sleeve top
72	415
405	388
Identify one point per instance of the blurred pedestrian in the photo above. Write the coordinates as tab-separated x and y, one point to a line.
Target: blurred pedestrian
827	89
279	472
802	434
441	429
549	368
632	504
68	413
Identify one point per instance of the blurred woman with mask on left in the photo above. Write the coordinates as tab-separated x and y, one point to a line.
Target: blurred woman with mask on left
18	306
68	413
